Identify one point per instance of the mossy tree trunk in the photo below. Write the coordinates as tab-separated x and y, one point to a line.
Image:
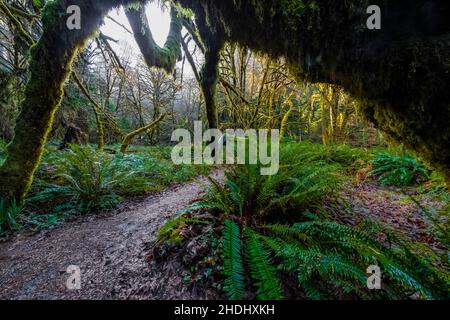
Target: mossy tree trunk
210	44
285	119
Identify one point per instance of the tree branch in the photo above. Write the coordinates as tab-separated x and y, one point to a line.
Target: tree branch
154	55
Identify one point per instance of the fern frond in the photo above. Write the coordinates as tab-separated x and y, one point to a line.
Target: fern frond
261	268
171	229
233	264
289	234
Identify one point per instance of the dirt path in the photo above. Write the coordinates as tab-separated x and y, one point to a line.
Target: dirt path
108	249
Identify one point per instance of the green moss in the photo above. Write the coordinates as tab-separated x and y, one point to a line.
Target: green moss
154	55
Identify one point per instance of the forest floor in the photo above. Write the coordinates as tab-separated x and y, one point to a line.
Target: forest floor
112	248
108	247
392	207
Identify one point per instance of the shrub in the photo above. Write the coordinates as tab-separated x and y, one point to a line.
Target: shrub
90	179
8	215
398	170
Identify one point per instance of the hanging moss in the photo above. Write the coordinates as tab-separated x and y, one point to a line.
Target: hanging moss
400	73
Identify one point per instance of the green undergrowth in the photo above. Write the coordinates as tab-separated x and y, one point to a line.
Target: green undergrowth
82	180
398	171
279	240
2	151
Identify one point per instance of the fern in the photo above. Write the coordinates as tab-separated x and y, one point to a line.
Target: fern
289	235
8	215
92	180
339	255
233	264
261	269
397	170
297	185
171	230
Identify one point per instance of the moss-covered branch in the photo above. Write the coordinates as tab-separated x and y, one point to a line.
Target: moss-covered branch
24	34
129	137
154	55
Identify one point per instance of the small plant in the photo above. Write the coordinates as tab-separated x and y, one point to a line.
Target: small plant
398	170
8	215
171	231
2	151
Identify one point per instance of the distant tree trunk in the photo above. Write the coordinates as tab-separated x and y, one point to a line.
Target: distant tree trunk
96	108
73	135
285	120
